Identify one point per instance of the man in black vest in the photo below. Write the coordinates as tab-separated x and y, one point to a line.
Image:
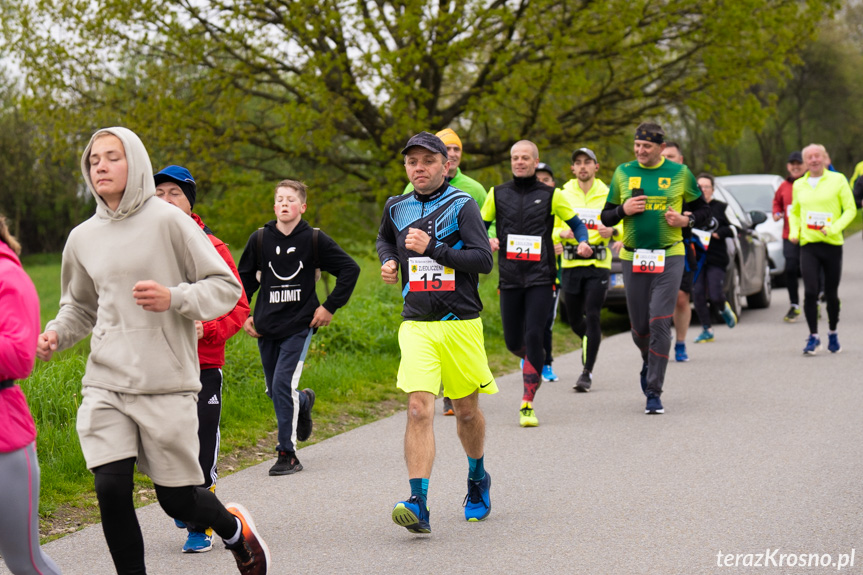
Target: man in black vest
524	209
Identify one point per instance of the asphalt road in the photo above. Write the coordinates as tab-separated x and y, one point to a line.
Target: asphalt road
759	452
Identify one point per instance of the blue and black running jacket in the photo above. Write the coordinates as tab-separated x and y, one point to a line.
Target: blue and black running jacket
458	240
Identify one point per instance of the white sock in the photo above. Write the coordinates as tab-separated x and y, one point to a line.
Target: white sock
236	536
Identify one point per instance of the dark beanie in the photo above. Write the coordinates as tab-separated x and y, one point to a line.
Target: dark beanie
180	176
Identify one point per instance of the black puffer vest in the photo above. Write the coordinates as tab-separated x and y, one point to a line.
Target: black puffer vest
523	207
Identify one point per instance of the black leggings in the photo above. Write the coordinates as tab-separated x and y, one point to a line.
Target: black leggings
524	313
583	310
817	258
114	485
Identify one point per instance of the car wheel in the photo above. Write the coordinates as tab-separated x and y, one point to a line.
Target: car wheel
761	299
734	297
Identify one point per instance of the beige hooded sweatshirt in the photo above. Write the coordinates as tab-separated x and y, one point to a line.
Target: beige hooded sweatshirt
133	350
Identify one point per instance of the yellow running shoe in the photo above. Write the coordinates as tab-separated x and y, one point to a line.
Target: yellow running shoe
527	417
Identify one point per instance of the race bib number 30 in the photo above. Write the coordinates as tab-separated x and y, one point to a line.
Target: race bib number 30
818	220
425	274
648	262
589	217
524	248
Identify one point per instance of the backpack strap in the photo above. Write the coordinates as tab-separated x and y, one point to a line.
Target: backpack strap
317	261
259	238
315	247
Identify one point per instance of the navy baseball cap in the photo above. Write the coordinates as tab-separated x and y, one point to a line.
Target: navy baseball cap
180	176
795	157
428	141
543	167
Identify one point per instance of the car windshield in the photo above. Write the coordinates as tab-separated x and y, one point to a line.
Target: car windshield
753	196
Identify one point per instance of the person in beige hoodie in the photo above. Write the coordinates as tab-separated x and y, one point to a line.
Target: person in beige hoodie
137	275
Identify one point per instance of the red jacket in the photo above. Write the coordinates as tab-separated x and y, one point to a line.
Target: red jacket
211	348
19	330
782	201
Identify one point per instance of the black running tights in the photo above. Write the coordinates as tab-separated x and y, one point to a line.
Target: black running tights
583	310
815	258
114	485
524	313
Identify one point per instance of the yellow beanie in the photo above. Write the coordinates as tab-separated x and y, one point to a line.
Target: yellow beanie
449	138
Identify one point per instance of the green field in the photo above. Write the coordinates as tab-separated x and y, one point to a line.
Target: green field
352	366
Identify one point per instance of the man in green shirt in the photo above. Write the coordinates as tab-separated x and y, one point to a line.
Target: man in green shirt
648	195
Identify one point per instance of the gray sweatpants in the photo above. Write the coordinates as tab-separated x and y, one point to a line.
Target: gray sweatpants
650	299
19	521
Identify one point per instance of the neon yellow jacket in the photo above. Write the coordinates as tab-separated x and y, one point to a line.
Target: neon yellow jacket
829	204
858	171
593	200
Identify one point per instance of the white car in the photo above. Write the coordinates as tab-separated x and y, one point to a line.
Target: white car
755	193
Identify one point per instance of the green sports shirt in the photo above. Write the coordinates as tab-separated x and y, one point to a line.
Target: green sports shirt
666	185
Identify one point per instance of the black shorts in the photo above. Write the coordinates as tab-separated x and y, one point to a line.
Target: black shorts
686	282
580	279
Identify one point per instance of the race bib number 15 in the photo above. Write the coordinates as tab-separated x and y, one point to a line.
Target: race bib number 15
648	262
523	248
425	274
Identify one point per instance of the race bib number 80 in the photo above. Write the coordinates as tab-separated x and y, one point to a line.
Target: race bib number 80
523	248
425	274
648	262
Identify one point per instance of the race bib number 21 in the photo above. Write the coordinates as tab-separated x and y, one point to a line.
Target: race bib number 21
524	248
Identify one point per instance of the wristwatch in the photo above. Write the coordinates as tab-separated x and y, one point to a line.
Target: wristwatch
691	221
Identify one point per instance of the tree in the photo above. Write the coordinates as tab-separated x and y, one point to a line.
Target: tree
291	87
39	194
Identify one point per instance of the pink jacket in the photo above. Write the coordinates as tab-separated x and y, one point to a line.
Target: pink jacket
19	329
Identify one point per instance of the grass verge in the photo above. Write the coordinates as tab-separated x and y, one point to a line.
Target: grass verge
352	367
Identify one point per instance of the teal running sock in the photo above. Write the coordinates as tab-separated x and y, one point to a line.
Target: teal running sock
420	487
477	469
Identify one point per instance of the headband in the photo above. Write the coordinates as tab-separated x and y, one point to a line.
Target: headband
649	136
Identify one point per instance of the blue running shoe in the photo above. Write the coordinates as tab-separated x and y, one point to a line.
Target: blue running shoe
728	315
813	344
706	335
198	542
179	524
644	378
477	502
548	374
413	515
680	351
654	406
833	343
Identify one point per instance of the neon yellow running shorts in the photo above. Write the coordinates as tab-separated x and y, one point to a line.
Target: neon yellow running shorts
451	353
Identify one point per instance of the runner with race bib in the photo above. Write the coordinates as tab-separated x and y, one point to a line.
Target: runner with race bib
524	209
436	237
647	195
585	280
